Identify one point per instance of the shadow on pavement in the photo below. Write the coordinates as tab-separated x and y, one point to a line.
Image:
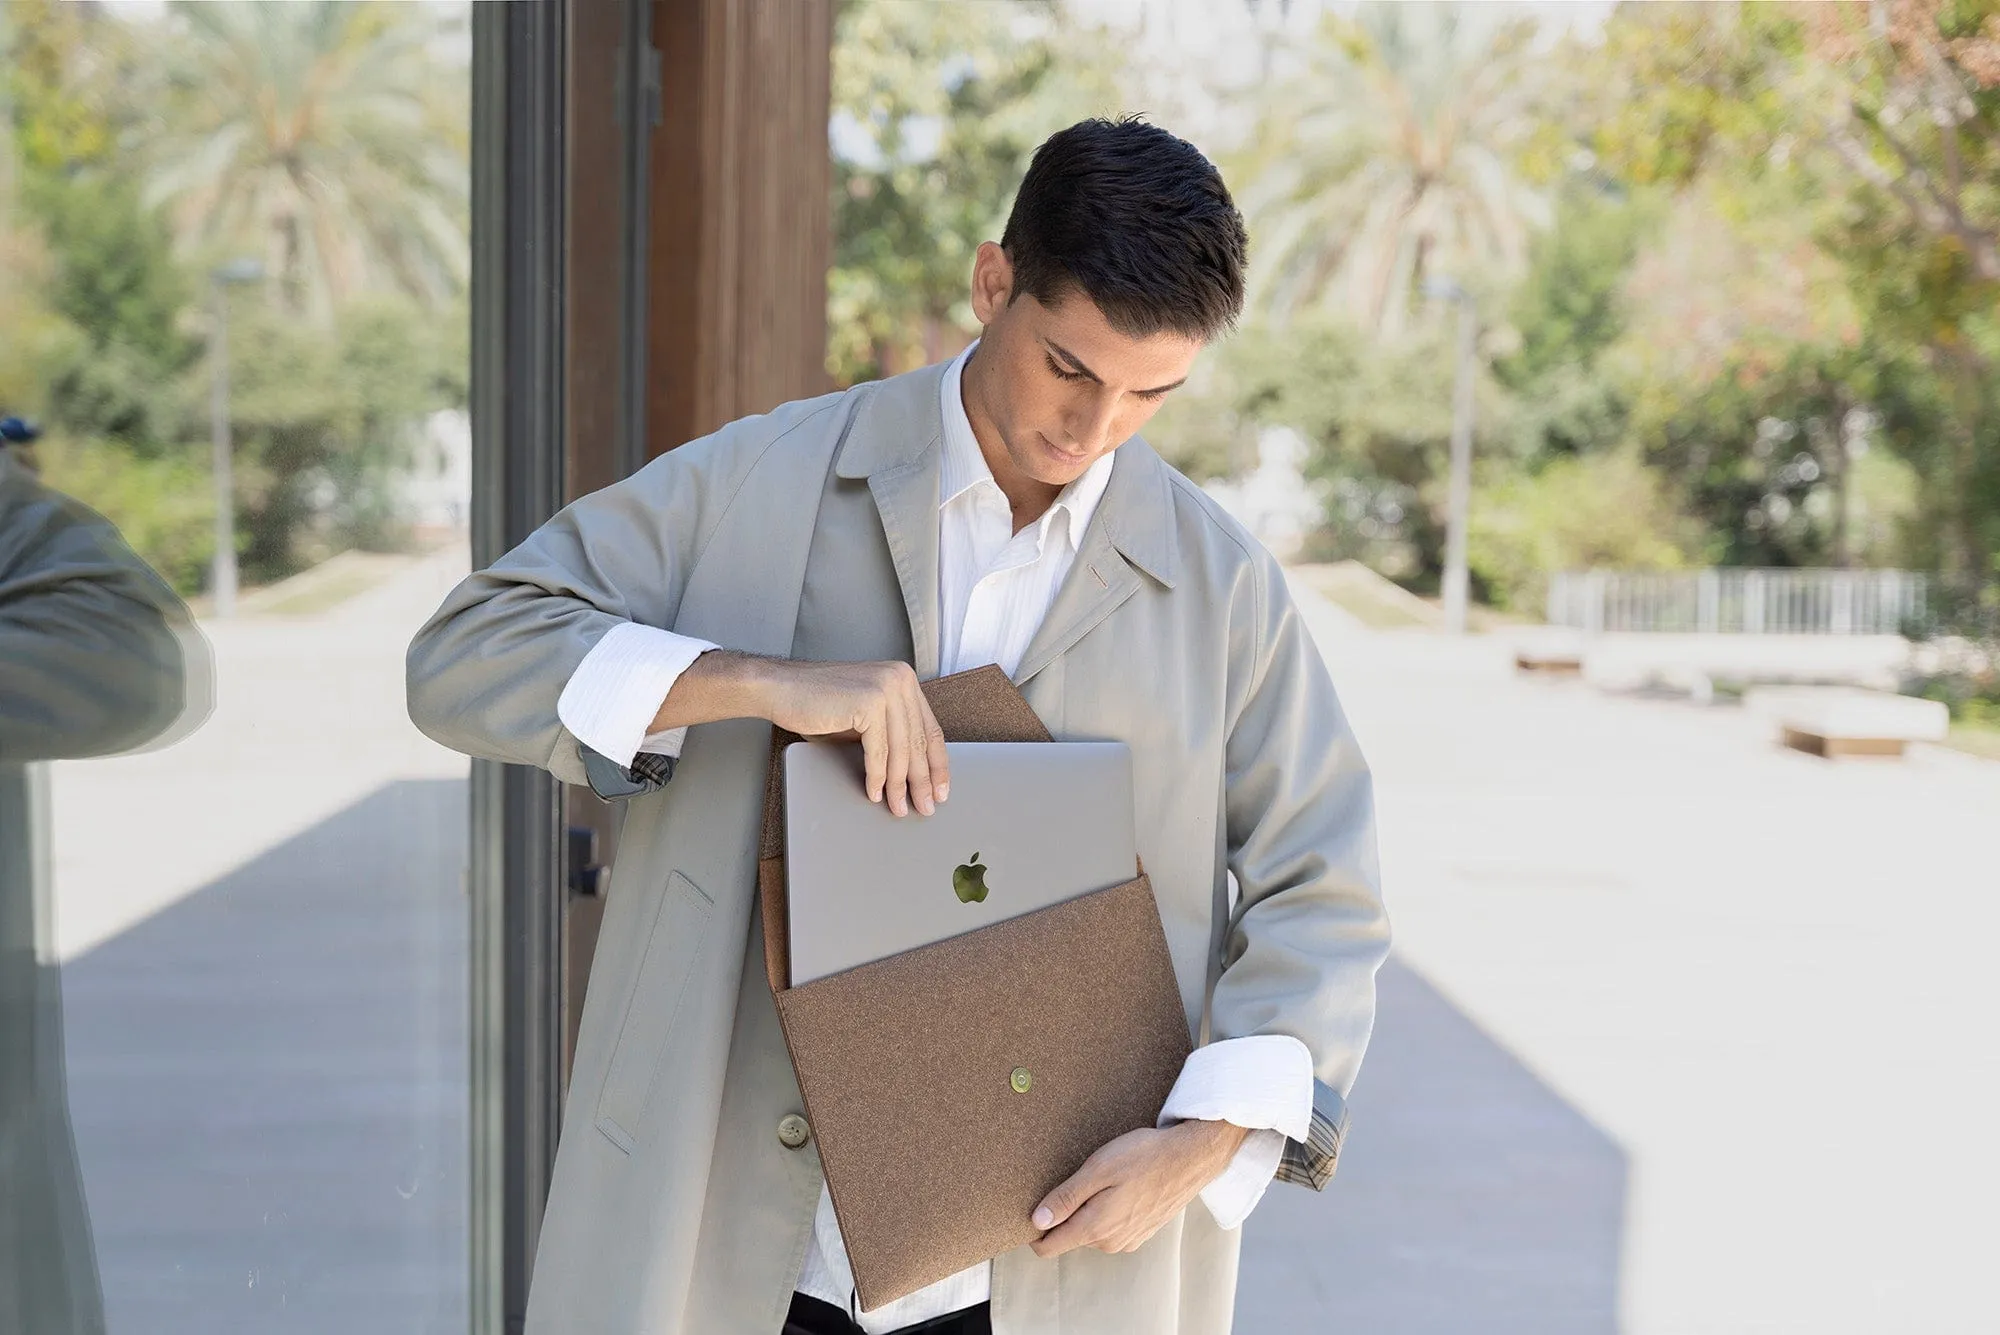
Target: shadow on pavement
1470	1197
268	1085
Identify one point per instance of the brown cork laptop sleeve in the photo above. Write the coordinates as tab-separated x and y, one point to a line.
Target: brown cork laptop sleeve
950	1088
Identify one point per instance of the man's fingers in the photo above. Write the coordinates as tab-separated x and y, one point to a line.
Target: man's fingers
922	787
896	726
933	744
875	755
883	705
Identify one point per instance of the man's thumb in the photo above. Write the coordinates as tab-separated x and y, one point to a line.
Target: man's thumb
1063	1202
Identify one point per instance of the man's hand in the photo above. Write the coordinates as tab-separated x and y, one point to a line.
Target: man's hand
878	704
1127	1190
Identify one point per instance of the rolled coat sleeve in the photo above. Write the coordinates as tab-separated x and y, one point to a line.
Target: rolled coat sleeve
485	673
1308	930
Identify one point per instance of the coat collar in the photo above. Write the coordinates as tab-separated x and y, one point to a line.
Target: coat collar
895	444
899	422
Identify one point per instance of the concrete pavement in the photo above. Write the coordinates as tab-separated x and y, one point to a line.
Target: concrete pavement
1763	977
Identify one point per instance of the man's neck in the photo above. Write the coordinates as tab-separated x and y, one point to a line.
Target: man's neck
1028	498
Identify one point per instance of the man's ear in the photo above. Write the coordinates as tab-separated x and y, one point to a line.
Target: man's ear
992	282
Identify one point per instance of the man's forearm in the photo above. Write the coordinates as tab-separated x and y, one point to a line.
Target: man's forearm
721	684
881	705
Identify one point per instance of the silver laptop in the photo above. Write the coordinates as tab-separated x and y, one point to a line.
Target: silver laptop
1029	824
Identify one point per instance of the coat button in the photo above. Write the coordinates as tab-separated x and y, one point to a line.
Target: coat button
793	1133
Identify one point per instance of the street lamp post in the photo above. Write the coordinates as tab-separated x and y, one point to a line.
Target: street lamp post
223	579
1459	495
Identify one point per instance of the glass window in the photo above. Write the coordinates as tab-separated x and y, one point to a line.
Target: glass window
235	275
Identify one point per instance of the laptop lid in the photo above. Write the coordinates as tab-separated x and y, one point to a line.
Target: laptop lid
1029	824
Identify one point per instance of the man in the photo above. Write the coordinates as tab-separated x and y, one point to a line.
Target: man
807	569
97	655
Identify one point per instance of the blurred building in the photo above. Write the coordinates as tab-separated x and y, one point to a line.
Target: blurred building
435	488
1273	500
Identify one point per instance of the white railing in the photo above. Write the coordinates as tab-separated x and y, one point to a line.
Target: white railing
1745	602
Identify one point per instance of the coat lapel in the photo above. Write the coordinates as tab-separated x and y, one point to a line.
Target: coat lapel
907	499
896	445
1132	532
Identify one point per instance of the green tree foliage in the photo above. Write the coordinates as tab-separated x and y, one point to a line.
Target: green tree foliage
107	321
1874	132
936	109
323	424
1604	509
1392	156
1771	452
1376	419
112	279
318	137
1569	310
1570	304
101	273
1738	269
64	62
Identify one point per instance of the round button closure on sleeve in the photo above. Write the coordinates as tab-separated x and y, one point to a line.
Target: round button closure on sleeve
793	1133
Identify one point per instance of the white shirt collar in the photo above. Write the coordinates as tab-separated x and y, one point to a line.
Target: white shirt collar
964	466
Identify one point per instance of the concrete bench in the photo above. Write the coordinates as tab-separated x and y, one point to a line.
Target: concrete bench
1837	721
1549	652
1551	662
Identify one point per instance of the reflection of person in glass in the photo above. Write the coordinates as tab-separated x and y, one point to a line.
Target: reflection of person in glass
999	508
94	659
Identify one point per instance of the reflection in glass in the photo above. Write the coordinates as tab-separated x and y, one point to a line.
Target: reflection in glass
233	291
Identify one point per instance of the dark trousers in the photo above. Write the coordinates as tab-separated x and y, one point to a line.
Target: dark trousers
810	1316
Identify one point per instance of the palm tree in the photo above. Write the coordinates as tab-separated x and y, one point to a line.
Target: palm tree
1387	158
328	139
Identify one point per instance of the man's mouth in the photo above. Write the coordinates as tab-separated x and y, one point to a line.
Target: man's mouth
1073	456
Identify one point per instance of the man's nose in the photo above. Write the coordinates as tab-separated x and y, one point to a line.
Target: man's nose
1090	425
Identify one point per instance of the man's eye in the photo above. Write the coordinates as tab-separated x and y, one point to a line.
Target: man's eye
1061	374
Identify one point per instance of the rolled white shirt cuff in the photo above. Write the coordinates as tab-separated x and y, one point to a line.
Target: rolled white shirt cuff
1263	1083
619	686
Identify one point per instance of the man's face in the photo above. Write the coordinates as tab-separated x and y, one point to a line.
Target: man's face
1060	386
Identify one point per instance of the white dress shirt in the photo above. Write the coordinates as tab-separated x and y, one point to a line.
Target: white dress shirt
994	588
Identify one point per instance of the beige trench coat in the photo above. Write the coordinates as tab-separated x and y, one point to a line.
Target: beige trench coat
812	532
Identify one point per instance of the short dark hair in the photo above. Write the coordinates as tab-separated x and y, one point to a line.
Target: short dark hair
1139	220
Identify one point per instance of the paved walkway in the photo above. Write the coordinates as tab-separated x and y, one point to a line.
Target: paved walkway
1763	981
1684	1033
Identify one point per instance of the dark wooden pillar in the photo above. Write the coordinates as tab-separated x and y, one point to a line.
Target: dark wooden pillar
599	116
739	223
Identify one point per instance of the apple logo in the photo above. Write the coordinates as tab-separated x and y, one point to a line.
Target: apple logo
969	882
